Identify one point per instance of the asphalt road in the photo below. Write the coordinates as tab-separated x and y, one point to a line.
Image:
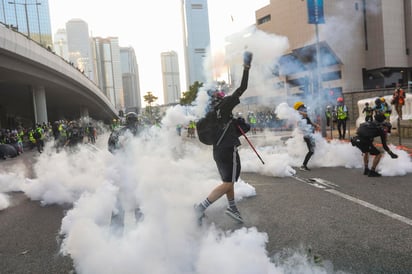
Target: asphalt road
353	223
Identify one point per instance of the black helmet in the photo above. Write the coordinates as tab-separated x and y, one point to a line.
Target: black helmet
378	102
380	118
131	118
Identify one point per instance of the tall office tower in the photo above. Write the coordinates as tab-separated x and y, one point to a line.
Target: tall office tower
29	17
106	55
196	40
60	44
170	75
363	44
78	42
130	80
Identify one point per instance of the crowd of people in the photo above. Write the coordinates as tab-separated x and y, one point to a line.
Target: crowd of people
64	133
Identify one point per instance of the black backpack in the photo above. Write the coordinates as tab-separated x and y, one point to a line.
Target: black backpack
36	135
209	128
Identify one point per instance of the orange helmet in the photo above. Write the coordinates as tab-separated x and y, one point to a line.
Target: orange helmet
340	99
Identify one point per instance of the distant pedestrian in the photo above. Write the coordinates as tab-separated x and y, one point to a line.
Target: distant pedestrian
368	112
328	115
398	100
341	116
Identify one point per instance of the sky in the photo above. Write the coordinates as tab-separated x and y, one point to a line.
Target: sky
165	175
152	27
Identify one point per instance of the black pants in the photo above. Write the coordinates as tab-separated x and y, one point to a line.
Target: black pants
311	149
342	128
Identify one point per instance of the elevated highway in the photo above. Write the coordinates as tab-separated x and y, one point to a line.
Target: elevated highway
38	86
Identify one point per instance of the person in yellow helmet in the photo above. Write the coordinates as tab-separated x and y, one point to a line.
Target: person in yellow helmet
307	127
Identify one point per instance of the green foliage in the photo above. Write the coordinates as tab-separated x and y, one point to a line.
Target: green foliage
189	96
149	98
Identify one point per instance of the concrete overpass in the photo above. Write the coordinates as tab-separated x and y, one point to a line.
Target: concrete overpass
38	86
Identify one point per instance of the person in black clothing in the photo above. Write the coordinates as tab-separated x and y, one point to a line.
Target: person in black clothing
364	141
75	134
225	151
368	110
115	142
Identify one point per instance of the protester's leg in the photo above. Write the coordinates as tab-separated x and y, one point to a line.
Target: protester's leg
378	155
366	163
339	128
376	161
222	189
311	149
343	129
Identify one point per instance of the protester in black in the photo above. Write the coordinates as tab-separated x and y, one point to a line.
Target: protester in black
225	151
115	142
364	141
368	110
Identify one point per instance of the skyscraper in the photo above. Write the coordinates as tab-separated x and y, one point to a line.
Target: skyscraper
60	45
130	79
170	76
78	42
106	54
196	39
29	17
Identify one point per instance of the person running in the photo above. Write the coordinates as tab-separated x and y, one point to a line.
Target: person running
225	151
307	127
364	141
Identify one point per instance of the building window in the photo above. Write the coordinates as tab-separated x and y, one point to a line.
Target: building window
197	6
330	76
200	50
263	19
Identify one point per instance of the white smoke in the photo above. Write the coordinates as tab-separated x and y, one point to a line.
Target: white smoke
156	180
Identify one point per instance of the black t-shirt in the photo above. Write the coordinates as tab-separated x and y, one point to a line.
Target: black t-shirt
225	108
370	130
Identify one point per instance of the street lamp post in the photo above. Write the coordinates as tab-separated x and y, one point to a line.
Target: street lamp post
27	15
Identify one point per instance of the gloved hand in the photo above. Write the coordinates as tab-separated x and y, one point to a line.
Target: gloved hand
393	155
247	59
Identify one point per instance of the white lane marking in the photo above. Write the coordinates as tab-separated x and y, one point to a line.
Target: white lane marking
371	206
324	182
359	202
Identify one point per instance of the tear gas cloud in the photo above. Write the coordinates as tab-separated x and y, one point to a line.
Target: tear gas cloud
164	175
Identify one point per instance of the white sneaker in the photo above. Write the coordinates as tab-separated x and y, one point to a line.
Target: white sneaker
235	214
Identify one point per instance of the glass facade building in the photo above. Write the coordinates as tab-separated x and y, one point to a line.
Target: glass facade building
130	79
171	77
31	17
106	53
196	39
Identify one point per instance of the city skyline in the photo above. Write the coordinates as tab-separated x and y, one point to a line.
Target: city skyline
153	29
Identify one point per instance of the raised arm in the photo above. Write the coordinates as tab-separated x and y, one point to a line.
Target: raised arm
247	60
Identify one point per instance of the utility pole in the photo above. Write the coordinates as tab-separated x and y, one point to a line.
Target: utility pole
315	16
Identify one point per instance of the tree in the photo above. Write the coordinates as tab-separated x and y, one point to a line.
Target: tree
149	98
189	96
